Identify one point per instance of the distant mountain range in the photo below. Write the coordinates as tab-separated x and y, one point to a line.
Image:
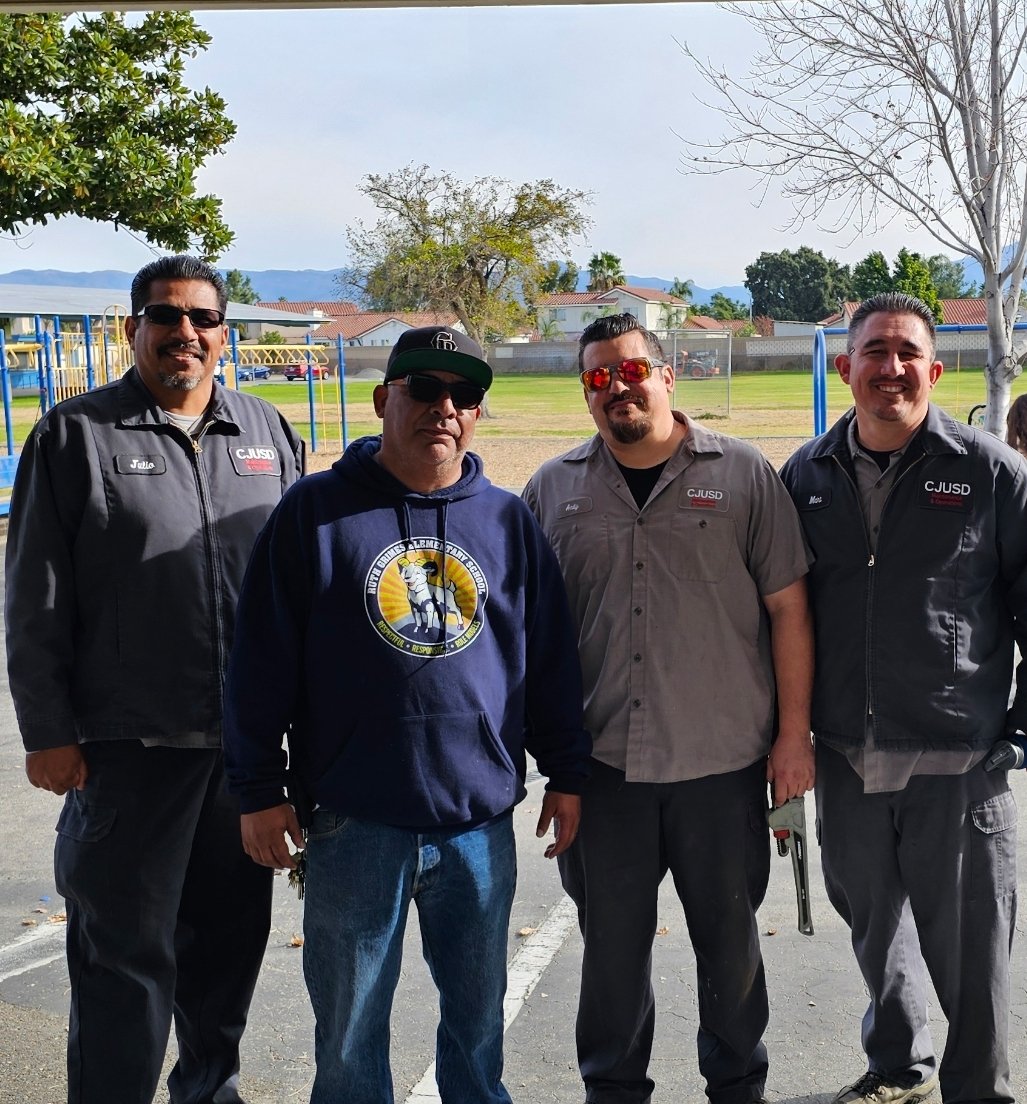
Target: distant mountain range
302	284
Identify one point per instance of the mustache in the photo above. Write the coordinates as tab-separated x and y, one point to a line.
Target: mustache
180	347
627	396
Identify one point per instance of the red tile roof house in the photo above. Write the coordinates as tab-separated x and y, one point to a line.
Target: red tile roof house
369	328
317	308
569	312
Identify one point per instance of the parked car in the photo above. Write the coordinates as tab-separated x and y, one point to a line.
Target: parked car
253	371
299	371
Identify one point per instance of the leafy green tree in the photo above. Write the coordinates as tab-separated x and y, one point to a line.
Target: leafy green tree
272	337
799	286
557	277
725	309
605	271
871	276
473	248
240	287
949	278
96	121
682	289
912	276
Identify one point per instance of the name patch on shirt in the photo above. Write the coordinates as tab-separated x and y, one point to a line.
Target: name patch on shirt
945	494
814	499
255	459
139	465
705	498
574	506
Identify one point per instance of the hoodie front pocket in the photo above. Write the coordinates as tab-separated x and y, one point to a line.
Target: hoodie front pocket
422	770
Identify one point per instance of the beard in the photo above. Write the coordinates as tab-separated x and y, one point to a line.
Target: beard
627	433
179	381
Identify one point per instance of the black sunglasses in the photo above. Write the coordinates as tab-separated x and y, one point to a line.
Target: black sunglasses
429	389
164	314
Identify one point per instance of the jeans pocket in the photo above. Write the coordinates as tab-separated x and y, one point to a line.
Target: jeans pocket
83	821
324	824
993	847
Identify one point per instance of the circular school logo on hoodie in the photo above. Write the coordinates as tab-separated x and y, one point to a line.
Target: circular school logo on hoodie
423	602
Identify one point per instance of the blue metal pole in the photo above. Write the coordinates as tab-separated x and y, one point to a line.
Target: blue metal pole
310	399
87	337
57	335
342	391
5	378
233	336
819	382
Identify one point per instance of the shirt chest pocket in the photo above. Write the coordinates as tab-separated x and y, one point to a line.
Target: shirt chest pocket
703	546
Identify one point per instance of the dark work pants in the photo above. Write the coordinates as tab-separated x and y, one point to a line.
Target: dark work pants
926	879
711	833
167	918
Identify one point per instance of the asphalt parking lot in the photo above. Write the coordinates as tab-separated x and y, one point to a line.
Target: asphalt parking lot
816	994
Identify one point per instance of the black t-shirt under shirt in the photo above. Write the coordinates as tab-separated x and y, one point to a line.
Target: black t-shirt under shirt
641	481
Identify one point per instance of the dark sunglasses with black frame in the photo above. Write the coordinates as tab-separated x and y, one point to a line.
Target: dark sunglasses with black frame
201	318
429	389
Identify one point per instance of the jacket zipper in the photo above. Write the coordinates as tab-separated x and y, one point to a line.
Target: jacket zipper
211	547
871	564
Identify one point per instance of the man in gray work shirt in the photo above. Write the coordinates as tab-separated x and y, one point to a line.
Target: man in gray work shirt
685	566
918	591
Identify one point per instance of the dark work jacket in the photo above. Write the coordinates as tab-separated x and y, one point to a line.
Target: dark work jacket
917	638
125	556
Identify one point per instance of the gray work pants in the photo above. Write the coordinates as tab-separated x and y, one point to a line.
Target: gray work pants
926	879
711	833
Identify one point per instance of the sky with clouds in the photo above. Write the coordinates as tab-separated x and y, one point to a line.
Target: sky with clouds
592	97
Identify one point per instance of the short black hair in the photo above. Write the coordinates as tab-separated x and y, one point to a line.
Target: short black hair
617	325
179	267
891	302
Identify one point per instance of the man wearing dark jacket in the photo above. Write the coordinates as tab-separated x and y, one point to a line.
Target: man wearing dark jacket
424	644
134	511
919	591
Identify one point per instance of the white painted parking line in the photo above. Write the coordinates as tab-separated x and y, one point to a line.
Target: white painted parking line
523	974
31	951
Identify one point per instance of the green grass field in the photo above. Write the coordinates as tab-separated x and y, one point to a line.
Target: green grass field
762	404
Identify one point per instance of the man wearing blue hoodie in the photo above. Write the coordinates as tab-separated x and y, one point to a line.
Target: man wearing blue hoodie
426	643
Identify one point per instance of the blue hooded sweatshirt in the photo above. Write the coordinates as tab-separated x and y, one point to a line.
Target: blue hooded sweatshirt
411	645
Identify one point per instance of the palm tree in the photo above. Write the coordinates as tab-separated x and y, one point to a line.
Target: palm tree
605	271
682	289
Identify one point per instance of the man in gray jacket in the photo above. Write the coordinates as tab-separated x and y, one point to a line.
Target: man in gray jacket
919	589
134	512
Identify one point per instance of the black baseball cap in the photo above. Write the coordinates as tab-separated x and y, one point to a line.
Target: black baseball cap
441	349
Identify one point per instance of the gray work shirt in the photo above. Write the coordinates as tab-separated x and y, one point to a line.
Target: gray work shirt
673	635
886	771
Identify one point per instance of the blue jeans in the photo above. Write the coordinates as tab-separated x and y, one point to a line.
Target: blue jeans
361	878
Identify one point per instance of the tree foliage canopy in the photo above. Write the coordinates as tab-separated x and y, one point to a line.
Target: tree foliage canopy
240	288
556	277
913	277
799	286
725	309
605	271
872	108
96	120
474	248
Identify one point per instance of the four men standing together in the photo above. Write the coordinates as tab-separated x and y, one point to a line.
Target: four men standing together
426	641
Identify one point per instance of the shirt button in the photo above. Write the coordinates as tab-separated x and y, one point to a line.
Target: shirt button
702	524
641	521
638	610
637	657
636	702
639	565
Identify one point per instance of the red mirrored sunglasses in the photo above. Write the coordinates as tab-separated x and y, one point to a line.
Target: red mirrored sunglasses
632	370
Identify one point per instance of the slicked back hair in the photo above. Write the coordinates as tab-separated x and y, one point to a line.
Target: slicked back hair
891	302
617	325
179	267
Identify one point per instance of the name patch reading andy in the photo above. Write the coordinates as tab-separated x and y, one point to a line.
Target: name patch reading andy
139	465
945	494
705	498
255	459
571	507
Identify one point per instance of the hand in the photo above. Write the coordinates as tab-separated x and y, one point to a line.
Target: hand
563	811
264	836
57	769
791	766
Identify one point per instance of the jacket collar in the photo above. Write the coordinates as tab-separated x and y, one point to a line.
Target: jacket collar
137	406
939	433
